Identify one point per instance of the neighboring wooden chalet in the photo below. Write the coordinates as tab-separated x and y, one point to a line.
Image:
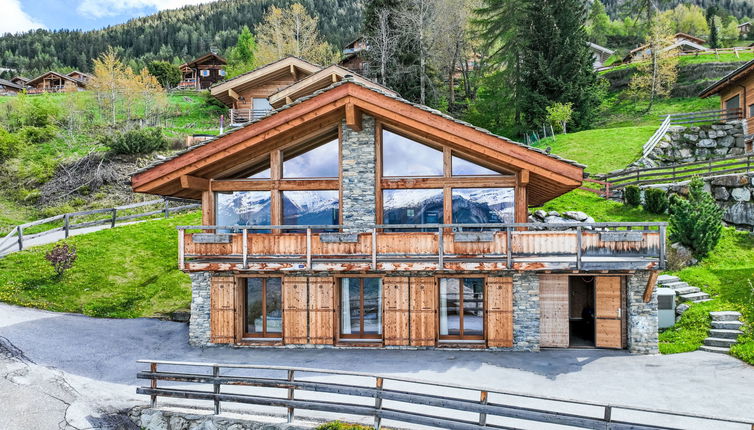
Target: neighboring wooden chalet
8	88
354	218
682	42
744	28
600	54
81	76
53	82
247	95
203	72
736	91
20	80
353	56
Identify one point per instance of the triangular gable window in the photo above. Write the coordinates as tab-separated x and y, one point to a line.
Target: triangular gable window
463	167
316	161
402	156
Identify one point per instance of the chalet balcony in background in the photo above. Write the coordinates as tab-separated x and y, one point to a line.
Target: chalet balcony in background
243	116
438	247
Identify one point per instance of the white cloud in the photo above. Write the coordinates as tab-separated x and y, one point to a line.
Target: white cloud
13	19
100	8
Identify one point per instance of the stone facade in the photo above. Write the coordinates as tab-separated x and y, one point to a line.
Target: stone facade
689	144
162	419
642	316
200	309
526	311
358	167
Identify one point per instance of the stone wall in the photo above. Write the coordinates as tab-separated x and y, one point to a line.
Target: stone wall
200	309
526	311
358	166
160	419
689	144
642	317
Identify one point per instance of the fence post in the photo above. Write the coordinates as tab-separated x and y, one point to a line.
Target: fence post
153	385
115	218
20	238
483	415
66	224
608	413
291	378
216	385
167	212
378	404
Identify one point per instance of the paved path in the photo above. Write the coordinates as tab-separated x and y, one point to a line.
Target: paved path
96	358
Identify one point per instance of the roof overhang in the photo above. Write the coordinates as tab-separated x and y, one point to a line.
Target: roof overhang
549	176
56	74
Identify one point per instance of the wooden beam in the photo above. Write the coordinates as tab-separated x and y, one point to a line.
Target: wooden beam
651	282
523	177
441	182
353	117
282	184
189	182
294	73
334	78
232	94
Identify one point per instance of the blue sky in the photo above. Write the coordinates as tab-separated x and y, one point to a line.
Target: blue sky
23	15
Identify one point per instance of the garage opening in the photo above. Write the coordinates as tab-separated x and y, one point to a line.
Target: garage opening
581	311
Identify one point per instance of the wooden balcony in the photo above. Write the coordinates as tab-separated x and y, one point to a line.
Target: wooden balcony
451	247
242	116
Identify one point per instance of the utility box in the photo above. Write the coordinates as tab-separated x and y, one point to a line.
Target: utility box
665	307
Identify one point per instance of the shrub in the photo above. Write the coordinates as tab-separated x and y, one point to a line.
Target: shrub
337	425
61	257
32	134
632	195
695	222
140	141
9	143
655	201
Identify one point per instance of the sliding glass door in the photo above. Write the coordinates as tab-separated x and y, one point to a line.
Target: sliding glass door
361	308
462	308
264	308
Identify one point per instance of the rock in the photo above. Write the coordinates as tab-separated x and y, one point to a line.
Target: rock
740	142
684	153
740	194
684	254
730	180
540	214
552	219
736	151
720	193
553	213
740	213
726	141
180	316
680	309
706	143
576	215
720	151
691	137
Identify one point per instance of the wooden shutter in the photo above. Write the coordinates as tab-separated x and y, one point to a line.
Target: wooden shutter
499	296
423	311
321	311
608	312
553	311
222	299
294	310
395	310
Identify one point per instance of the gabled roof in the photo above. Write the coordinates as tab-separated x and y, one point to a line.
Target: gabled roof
79	73
60	75
729	79
743	24
549	175
252	78
203	58
22	79
322	79
5	83
600	48
680	39
687	36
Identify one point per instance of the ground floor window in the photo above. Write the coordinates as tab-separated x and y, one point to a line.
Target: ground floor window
264	307
361	308
462	308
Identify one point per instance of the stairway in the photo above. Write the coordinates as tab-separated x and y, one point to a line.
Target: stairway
683	291
724	333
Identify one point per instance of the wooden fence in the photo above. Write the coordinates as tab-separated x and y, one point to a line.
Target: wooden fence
16	237
403	400
720	115
679	172
656	137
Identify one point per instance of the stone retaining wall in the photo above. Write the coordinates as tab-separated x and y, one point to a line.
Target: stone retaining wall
689	144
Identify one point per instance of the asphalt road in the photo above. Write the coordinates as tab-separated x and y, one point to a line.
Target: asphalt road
86	367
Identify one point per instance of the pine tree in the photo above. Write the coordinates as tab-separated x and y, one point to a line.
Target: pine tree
714	37
695	222
242	57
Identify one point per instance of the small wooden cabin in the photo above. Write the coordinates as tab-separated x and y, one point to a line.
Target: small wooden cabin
736	91
203	72
682	42
247	95
53	82
20	80
353	218
353	56
744	28
600	54
8	88
81	76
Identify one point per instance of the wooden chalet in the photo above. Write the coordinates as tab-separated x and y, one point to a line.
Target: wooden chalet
736	91
8	88
203	72
81	76
681	41
53	82
247	95
351	217
600	54
353	58
20	80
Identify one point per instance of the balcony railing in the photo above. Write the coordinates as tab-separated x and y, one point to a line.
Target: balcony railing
436	247
242	116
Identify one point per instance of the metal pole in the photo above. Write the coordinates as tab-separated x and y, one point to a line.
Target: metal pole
216	385
291	393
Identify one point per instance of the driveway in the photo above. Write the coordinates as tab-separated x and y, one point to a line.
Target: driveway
89	365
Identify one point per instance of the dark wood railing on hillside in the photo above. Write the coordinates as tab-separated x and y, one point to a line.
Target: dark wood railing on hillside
455	247
110	216
398	399
720	115
679	172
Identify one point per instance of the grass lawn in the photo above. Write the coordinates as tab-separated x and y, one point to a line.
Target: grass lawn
600	209
125	272
723	57
621	111
602	150
194	116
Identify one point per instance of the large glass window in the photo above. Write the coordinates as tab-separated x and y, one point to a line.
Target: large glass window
310	207
462	308
321	161
402	156
462	167
415	206
483	205
243	208
261	104
361	308
264	307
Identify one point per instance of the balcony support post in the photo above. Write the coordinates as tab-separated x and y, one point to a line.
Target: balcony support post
662	247
181	249
440	250
308	249
245	247
508	249
578	248
374	249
